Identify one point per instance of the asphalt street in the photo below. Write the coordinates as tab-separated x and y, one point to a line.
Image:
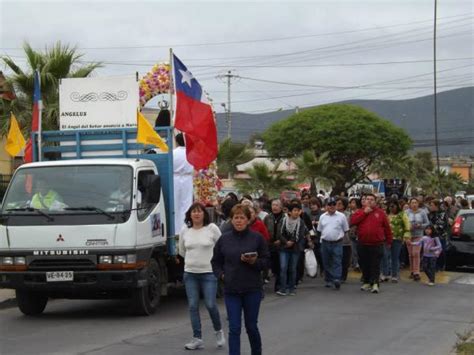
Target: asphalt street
405	318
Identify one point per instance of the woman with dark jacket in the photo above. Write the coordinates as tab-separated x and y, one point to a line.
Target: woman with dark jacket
439	220
239	257
292	242
273	223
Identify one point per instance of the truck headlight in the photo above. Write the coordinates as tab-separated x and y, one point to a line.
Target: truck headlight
19	260
105	259
120	259
131	258
7	260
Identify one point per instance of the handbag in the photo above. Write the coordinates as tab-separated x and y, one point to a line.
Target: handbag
310	263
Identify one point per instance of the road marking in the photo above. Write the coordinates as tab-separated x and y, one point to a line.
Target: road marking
466	280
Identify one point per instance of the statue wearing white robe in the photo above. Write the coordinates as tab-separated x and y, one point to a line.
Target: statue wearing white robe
183	186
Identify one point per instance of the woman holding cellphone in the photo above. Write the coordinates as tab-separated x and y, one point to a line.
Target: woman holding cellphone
239	257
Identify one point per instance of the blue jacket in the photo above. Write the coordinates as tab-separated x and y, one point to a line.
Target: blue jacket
240	277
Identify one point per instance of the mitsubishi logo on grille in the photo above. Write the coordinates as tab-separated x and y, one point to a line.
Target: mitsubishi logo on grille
60	238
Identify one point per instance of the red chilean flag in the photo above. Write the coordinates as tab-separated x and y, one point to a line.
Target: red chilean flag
35	121
194	118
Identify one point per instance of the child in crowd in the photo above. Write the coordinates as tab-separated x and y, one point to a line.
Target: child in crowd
431	250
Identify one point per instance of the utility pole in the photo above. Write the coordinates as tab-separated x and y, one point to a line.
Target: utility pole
228	108
229	112
435	113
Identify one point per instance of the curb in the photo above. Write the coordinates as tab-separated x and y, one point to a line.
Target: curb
8	303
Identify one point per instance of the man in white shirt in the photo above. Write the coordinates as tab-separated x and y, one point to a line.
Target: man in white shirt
332	226
183	183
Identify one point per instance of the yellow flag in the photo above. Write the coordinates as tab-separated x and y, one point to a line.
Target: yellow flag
147	135
15	140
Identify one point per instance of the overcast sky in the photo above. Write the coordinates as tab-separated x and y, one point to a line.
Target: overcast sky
334	50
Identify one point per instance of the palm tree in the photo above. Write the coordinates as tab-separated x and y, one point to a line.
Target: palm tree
230	155
316	169
445	184
263	179
417	170
54	64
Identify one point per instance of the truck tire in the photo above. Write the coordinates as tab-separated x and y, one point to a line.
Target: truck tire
31	303
145	300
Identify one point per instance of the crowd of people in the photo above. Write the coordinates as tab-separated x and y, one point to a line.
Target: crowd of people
255	241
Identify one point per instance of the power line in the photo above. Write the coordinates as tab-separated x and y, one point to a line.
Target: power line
125	63
337	47
259	40
346	87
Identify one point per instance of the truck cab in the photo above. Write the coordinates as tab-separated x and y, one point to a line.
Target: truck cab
88	228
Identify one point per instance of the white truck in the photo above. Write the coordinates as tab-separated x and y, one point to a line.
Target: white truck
94	222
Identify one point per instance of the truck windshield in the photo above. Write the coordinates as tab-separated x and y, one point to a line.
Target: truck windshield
70	190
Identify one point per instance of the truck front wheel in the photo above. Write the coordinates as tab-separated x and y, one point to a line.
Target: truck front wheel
31	303
145	300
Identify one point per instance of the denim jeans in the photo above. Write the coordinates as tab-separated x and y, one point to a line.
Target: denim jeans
355	257
275	260
332	260
288	265
249	303
346	261
441	261
391	259
429	267
207	283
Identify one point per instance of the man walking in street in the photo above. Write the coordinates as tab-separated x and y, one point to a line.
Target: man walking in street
273	223
332	226
373	231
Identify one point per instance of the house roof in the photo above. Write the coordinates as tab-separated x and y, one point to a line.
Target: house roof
284	164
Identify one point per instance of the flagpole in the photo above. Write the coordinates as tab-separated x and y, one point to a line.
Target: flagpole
40	118
171	89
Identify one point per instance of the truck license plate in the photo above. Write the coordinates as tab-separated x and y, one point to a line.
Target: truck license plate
55	276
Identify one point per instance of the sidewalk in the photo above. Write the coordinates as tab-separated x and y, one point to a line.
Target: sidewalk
442	277
7	298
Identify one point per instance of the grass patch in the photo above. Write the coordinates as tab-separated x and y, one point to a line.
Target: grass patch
465	343
465	348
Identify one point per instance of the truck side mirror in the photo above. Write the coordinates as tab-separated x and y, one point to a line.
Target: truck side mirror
152	189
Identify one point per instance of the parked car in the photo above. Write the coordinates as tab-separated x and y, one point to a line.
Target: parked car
460	245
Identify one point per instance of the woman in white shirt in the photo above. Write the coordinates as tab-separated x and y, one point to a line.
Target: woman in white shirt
196	243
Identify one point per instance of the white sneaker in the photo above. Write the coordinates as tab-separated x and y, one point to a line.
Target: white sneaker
220	338
194	344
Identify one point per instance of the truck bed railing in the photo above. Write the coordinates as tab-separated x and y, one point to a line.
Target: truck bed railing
113	143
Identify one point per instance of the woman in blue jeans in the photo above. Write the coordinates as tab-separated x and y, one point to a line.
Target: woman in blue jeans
240	256
400	226
292	241
196	244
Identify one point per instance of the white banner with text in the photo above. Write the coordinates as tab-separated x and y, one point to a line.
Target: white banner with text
92	103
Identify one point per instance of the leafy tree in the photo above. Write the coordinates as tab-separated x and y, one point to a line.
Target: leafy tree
230	155
316	169
54	64
354	139
264	179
